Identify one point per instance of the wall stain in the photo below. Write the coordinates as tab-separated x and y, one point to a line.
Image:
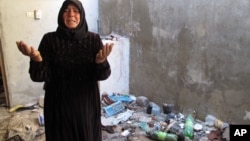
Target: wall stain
189	54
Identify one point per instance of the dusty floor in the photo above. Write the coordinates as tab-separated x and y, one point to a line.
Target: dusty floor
17	122
128	125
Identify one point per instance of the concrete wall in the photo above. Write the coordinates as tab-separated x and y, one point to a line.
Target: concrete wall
118	81
17	23
193	53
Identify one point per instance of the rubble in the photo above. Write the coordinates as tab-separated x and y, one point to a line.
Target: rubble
134	119
141	116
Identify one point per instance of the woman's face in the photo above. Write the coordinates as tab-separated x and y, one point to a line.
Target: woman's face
71	16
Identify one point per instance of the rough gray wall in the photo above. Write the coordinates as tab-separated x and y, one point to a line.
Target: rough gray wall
193	53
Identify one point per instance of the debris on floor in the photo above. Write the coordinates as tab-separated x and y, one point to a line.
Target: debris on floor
125	118
142	119
21	124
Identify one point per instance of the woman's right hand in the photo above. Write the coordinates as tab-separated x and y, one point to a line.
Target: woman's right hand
29	51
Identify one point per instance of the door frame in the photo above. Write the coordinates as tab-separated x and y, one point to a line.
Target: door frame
2	65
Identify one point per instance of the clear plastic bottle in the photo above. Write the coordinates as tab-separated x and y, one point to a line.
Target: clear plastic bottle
156	110
213	121
189	127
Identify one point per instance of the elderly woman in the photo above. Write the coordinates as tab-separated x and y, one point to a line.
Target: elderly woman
71	61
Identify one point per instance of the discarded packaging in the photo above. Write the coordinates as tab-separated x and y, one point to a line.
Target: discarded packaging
121	97
114	108
41	119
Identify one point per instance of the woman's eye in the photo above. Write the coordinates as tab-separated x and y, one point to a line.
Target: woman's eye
74	10
66	10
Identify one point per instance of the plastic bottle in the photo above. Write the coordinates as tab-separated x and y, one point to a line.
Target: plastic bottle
189	127
144	126
162	136
156	110
213	121
176	129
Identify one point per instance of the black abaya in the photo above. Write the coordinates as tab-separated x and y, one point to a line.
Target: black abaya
72	102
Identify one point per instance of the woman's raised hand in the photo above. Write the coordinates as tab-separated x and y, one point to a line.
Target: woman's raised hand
102	55
29	51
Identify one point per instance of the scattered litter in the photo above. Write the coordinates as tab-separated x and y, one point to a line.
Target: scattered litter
210	120
125	133
114	108
20	107
40	131
41	101
142	101
115	120
167	108
106	99
120	97
124	117
156	110
15	138
198	127
108	128
165	122
41	119
23	125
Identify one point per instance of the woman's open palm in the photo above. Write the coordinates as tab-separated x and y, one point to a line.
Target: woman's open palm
29	51
102	55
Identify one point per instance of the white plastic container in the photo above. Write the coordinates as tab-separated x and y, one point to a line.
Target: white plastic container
41	101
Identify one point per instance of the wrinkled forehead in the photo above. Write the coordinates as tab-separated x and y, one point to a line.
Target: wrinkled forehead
72	6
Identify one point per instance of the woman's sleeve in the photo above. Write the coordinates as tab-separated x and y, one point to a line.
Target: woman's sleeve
39	71
102	70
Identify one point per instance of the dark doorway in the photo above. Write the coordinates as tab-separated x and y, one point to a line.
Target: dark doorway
4	100
2	95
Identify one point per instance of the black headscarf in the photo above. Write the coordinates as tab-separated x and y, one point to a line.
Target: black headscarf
73	34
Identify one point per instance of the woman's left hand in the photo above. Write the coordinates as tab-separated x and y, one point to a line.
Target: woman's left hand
102	55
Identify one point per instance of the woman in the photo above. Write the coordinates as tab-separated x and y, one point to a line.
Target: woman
70	61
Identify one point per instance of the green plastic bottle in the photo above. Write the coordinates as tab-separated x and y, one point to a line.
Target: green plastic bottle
189	127
162	136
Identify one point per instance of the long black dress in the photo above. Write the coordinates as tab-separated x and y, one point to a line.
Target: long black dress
72	102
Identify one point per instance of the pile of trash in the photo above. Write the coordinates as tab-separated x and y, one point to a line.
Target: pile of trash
131	116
